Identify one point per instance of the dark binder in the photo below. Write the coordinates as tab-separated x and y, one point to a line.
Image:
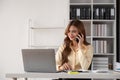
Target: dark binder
78	13
107	13
101	13
73	13
82	12
112	13
96	13
88	13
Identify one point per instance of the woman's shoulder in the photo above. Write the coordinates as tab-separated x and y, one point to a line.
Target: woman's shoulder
89	46
62	46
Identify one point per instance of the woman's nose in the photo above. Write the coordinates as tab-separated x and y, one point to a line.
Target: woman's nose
71	32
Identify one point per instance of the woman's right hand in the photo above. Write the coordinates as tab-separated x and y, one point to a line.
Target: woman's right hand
66	66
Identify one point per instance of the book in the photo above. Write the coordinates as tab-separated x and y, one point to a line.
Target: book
78	13
107	13
88	13
96	13
101	13
112	13
100	63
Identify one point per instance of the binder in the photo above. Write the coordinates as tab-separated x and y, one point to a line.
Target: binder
112	13
78	13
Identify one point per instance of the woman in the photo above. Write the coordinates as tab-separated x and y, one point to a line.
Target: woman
76	53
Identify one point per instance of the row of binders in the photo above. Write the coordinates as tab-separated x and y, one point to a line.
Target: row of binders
80	13
98	13
104	13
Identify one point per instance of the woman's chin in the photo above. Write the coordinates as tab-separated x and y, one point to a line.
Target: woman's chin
72	39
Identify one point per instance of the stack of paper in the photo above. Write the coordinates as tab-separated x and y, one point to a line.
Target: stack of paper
117	66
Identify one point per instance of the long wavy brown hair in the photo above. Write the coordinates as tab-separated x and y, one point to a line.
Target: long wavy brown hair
67	50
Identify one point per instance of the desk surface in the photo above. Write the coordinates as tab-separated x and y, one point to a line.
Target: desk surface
109	75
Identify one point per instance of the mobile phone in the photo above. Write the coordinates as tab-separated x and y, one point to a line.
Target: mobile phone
77	40
78	36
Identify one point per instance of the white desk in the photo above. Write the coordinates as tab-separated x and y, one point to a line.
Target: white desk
109	75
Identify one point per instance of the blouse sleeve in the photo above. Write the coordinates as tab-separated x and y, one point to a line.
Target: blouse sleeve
58	57
85	58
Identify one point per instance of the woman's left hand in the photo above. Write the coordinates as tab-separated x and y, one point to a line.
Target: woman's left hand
81	39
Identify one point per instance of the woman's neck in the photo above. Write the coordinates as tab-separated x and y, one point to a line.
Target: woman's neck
74	43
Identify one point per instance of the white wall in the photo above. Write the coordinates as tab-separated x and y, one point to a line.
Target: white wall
14	15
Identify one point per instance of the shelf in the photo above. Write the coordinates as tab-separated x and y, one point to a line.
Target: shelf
104	1
102	20
107	54
88	20
88	36
84	20
38	46
96	20
80	3
103	36
104	4
47	27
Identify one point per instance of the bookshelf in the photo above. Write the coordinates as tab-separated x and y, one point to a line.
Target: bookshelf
99	19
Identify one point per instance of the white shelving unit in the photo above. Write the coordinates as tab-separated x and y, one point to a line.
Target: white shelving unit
110	36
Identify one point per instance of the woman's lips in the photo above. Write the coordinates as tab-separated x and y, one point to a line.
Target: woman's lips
71	37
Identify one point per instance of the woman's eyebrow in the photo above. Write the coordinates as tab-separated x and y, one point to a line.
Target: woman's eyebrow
72	30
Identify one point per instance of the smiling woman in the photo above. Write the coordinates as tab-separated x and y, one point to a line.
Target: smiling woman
76	53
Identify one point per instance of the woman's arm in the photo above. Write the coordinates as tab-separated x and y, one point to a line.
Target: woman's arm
85	58
59	65
58	57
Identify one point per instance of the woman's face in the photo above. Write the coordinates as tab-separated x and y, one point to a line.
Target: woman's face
73	32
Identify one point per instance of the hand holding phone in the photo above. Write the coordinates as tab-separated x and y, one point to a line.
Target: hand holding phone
78	37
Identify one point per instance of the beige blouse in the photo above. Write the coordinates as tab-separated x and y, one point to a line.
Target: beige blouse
78	60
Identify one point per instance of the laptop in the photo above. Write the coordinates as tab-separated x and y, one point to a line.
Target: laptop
39	60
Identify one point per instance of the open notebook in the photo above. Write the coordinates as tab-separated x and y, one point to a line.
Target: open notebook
75	70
